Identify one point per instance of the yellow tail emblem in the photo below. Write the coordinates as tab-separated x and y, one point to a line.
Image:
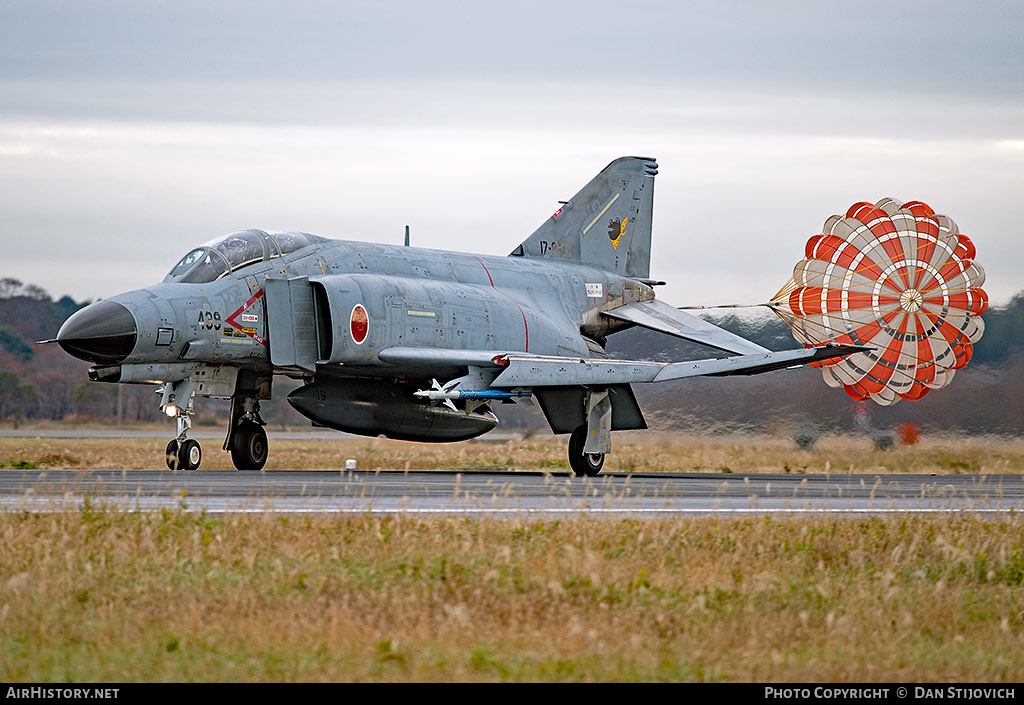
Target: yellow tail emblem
616	230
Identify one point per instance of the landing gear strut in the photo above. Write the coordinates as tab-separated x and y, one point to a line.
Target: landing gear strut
246	439
584	464
182	453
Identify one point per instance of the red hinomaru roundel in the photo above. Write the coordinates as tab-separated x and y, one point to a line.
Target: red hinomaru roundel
894	276
359	324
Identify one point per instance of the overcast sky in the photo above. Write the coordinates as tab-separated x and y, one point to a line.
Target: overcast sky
131	131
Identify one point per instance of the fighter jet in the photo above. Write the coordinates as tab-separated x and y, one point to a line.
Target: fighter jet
410	343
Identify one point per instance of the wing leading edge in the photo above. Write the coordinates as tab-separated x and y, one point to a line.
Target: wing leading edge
524	371
527	371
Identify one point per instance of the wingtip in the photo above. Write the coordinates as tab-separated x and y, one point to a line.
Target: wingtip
831	350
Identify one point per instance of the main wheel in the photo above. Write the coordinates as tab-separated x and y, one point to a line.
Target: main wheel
171	455
585	464
249	447
190	454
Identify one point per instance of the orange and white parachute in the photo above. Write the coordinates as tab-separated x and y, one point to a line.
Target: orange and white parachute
896	277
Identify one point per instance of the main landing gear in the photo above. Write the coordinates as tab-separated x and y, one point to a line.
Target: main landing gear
592	440
583	463
246	439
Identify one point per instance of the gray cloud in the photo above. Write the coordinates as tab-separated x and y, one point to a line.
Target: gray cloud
907	47
132	131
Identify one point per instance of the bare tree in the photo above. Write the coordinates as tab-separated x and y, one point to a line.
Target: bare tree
36	292
9	287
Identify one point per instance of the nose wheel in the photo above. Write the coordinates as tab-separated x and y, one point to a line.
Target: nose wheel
184	455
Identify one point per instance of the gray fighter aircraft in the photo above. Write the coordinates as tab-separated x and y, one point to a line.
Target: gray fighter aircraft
412	343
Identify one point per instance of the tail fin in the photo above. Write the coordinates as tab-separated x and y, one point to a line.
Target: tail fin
607	224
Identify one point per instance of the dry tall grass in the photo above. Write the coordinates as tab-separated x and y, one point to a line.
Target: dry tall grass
640	452
109	596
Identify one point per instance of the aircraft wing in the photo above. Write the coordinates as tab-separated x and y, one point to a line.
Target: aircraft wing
538	371
660	316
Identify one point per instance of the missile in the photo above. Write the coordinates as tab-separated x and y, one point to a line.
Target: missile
442	395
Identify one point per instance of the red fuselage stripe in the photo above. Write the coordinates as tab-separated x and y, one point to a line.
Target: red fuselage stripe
526	326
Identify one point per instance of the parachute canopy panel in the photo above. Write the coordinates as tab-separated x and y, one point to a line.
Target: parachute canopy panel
896	277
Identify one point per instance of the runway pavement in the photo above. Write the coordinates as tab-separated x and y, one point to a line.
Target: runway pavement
509	494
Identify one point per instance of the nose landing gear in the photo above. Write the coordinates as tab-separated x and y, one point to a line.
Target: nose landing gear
182	453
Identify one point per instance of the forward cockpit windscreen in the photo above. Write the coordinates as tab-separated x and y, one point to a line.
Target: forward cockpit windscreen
211	265
230	252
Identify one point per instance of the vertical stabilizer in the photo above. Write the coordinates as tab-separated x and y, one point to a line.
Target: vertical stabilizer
607	224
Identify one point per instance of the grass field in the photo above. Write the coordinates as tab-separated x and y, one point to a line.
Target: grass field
644	452
109	596
105	595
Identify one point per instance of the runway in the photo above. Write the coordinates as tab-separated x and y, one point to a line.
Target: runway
510	494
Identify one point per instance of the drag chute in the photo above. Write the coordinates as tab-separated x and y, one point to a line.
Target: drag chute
894	276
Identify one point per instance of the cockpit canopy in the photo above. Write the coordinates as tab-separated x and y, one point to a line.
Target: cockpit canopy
230	252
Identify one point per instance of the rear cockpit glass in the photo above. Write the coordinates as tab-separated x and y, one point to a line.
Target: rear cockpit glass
230	252
290	242
239	249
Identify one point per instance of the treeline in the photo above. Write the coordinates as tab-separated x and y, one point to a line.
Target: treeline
42	382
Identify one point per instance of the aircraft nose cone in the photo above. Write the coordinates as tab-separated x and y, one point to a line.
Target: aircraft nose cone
104	333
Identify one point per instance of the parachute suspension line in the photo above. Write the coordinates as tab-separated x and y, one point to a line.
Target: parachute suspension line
692	308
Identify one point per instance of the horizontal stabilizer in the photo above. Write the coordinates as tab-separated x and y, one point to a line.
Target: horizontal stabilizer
659	316
529	372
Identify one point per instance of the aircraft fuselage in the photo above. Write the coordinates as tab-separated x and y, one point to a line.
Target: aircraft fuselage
412	297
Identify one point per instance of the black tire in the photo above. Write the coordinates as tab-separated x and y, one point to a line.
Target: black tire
171	455
583	464
190	455
249	447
